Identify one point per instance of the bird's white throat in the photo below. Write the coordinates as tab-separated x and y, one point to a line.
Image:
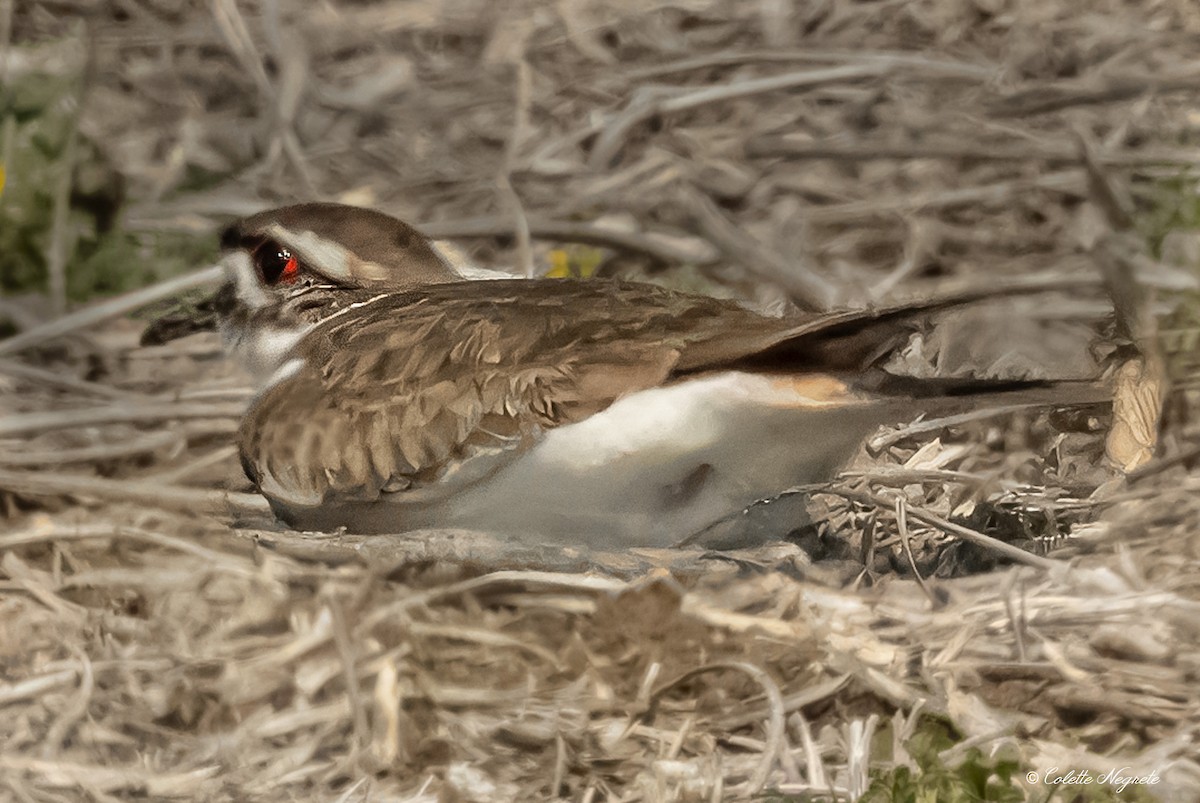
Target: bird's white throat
263	351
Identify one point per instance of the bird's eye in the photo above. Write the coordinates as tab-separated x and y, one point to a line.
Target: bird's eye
275	264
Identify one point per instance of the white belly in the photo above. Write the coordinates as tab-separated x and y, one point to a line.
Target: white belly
663	464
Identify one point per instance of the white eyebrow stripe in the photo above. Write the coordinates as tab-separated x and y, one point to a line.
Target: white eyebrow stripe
326	256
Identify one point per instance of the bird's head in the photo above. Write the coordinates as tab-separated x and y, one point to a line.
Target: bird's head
286	269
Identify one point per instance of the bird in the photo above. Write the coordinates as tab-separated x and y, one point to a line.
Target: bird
396	392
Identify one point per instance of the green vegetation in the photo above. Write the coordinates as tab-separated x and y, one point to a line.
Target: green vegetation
37	124
1171	212
976	779
1173	204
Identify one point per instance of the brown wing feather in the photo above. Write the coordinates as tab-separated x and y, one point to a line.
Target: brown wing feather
445	383
438	385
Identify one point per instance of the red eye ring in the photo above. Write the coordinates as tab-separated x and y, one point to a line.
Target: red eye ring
275	263
290	270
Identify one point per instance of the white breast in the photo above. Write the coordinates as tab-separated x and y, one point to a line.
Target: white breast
265	352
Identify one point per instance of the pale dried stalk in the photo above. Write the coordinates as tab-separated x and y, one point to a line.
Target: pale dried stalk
147	443
803	286
141	492
62	239
62	381
108	310
1044	98
931	65
775	737
965	533
1068	182
772	146
133	413
671	250
659	100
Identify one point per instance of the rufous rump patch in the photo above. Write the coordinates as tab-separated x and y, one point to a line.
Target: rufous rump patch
772	390
815	388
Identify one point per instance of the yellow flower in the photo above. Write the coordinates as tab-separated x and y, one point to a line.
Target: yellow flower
560	265
574	261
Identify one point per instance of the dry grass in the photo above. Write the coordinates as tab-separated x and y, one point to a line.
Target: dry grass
157	638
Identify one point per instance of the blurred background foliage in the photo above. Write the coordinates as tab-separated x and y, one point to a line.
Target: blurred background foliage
42	143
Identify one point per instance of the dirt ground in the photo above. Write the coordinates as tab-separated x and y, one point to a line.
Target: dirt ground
161	638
